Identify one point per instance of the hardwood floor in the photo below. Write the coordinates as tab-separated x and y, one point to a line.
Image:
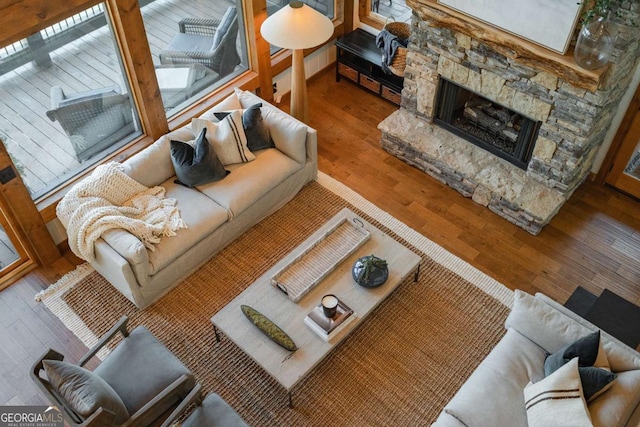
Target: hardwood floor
594	241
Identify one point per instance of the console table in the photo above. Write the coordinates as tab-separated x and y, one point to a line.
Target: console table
360	60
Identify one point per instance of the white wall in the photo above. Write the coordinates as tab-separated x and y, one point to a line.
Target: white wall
617	119
313	63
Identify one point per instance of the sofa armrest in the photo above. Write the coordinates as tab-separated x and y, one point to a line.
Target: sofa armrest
447	420
312	146
131	249
290	135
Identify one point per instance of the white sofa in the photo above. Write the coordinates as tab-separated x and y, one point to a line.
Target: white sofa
493	394
215	213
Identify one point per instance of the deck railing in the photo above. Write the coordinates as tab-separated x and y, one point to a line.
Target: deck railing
38	46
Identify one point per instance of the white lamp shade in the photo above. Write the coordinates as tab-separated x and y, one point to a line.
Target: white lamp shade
297	27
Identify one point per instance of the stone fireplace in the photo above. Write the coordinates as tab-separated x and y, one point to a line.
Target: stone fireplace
564	109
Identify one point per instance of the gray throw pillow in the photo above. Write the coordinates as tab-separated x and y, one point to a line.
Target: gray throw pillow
196	164
595	381
84	390
255	129
585	349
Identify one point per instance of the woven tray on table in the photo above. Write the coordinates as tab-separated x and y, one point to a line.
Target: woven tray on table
320	258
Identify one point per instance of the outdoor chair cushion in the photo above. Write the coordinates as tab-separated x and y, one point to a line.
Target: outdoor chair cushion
191	43
224	26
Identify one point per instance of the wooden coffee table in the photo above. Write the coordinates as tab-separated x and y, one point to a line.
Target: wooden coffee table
289	368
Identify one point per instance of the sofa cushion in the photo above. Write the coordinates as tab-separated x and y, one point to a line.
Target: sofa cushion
152	166
501	376
248	182
226	137
255	129
288	134
195	162
614	408
83	390
557	400
202	216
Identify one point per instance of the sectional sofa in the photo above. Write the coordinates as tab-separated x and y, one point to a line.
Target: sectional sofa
537	326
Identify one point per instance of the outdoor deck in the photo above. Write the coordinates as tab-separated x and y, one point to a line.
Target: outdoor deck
41	150
39	147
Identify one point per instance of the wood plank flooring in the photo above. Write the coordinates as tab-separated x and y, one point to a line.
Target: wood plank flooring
594	241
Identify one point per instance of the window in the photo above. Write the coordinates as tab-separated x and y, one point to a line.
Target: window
196	45
326	7
389	10
65	103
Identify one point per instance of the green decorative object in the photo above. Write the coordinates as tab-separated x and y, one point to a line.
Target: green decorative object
269	328
370	271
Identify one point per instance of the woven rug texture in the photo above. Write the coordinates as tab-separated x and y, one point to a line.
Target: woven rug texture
399	367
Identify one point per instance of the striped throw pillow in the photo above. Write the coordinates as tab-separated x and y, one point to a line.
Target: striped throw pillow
558	399
227	138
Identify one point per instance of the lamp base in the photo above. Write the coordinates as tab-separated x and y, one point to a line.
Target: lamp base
299	102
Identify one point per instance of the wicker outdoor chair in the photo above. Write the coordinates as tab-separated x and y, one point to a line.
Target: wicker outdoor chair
93	120
211	42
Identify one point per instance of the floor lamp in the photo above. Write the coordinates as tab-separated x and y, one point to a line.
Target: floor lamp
297	27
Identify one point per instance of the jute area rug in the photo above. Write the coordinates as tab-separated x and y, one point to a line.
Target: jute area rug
399	367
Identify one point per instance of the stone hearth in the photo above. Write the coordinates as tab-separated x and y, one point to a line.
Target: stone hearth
575	112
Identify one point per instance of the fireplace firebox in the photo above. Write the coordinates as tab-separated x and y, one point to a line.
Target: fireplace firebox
485	123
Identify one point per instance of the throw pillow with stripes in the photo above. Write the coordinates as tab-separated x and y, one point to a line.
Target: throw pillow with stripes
227	138
557	400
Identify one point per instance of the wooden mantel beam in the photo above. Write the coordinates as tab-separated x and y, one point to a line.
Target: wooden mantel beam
509	45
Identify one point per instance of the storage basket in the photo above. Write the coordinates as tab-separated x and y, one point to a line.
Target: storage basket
399	61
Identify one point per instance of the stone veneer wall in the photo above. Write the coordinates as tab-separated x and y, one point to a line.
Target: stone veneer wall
574	120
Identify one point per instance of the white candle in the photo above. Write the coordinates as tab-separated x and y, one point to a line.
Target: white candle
329	301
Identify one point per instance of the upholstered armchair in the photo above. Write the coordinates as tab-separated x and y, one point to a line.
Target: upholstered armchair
140	383
210	42
93	120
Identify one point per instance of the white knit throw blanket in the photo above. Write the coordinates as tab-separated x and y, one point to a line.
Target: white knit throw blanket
109	199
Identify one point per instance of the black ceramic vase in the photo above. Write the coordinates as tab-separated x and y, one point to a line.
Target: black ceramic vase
370	271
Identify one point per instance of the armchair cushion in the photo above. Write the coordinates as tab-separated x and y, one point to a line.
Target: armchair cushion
83	390
140	368
214	412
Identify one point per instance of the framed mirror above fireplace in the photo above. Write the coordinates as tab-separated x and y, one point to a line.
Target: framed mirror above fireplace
505	133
